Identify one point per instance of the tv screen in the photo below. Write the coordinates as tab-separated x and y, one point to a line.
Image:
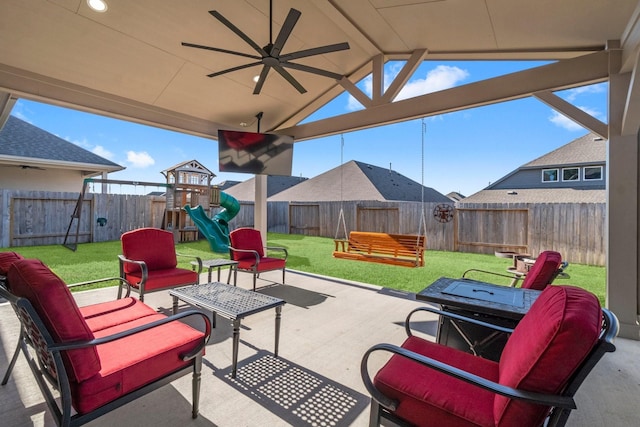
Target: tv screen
256	153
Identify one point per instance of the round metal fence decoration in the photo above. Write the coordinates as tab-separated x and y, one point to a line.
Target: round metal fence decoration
443	213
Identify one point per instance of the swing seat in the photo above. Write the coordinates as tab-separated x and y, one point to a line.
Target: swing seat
395	249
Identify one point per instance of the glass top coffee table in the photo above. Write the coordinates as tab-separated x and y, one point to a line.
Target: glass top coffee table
232	303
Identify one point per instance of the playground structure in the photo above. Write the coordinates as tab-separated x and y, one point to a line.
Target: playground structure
216	229
188	184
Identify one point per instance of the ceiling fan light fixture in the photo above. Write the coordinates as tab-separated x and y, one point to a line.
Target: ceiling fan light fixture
98	5
270	56
256	78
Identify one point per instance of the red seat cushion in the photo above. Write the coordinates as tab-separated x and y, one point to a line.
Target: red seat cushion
265	264
543	271
545	349
112	313
153	246
134	361
428	397
165	278
6	259
53	302
248	239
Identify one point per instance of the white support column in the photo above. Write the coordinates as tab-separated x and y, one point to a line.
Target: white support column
623	216
260	206
622	233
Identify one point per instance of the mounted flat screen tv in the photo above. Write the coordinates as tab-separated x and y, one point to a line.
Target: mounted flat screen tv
255	153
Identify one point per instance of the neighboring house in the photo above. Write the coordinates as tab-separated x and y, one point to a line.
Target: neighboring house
455	196
33	159
573	173
245	191
224	185
360	181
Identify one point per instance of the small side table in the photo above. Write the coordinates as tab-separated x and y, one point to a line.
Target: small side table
219	263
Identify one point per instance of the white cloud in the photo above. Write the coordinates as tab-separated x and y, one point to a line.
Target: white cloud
21	116
440	78
568	124
141	159
574	93
102	152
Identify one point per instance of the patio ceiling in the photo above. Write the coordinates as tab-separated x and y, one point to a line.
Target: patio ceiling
128	62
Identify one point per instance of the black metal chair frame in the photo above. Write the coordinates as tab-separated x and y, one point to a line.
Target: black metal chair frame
516	276
254	268
44	358
140	287
382	407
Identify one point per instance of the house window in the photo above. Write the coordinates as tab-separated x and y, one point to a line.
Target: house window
593	173
549	175
571	174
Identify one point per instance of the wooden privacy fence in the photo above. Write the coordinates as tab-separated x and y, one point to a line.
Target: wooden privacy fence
576	230
323	219
30	218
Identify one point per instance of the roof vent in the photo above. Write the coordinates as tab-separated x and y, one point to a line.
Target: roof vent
512	193
598	138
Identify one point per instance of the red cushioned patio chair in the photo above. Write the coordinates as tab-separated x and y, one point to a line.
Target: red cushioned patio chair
547	357
246	247
543	272
149	262
88	361
6	259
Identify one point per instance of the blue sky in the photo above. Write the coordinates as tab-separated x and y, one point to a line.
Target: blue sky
463	151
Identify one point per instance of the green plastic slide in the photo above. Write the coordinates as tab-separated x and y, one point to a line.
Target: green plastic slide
216	229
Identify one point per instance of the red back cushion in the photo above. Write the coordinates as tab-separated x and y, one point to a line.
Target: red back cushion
50	297
545	349
246	238
153	246
6	259
543	270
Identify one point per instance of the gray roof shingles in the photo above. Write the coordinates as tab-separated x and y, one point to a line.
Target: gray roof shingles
21	139
245	191
360	181
588	149
538	195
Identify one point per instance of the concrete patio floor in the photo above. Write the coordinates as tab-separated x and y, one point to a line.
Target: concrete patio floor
327	325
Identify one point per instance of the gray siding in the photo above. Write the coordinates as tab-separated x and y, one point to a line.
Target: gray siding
532	178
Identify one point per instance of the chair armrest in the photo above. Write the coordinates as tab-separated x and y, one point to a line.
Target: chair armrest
278	248
141	264
558	401
197	258
247	251
141	328
122	281
456	316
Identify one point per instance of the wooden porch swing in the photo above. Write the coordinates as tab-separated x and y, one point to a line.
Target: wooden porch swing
405	250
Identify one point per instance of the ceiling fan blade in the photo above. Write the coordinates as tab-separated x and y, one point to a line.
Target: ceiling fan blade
288	77
313	70
239	67
315	51
215	49
263	77
240	34
285	31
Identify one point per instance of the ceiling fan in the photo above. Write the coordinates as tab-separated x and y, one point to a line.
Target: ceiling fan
270	55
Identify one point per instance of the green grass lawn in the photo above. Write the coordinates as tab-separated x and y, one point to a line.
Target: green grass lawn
313	255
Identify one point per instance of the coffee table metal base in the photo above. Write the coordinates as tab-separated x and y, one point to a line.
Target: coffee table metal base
232	303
